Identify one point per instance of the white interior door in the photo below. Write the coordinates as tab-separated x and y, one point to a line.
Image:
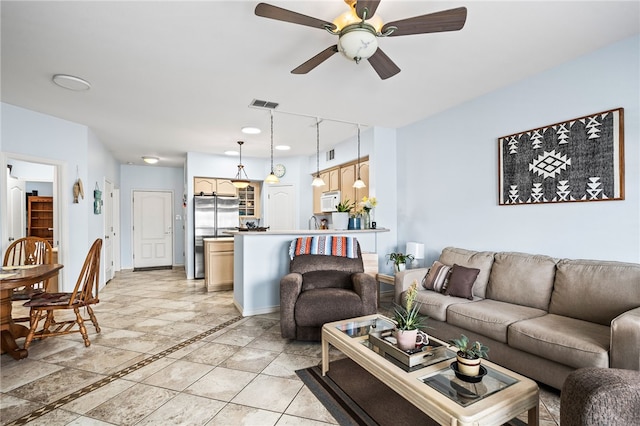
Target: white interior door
281	207
16	207
152	229
108	231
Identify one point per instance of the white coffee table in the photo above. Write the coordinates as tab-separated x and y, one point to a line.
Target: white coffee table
433	387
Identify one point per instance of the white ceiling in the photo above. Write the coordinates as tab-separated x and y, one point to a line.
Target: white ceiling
171	77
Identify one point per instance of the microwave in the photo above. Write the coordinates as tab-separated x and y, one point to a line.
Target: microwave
329	201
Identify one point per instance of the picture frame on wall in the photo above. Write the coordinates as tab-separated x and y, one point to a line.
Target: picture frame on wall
577	160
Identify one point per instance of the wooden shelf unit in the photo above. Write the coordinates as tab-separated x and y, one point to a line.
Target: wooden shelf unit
40	217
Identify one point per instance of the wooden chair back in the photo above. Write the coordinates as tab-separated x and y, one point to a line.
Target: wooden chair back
86	289
28	251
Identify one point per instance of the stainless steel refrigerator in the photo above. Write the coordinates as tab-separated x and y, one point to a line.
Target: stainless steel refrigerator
212	215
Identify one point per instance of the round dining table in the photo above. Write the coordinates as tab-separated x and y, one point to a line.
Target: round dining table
12	277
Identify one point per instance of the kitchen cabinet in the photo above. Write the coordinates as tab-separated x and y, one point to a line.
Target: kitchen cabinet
208	186
218	264
342	178
250	201
40	217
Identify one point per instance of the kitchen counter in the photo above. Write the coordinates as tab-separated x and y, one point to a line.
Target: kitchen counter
261	259
309	231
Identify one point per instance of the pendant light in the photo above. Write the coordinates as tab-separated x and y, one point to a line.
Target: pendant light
359	183
238	181
272	178
317	180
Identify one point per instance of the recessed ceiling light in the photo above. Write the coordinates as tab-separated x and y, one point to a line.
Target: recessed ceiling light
70	82
150	160
231	153
251	130
283	147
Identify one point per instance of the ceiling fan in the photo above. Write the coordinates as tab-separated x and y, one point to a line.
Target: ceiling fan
358	30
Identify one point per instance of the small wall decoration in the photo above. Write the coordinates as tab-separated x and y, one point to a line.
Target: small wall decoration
97	200
576	160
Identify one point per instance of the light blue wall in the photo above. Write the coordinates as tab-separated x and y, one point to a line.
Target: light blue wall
73	148
447	166
150	178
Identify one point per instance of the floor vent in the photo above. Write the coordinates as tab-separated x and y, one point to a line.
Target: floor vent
257	103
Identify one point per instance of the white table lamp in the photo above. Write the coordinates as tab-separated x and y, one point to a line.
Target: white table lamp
417	250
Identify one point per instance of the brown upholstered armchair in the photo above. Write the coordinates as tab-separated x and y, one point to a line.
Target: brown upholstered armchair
600	396
323	288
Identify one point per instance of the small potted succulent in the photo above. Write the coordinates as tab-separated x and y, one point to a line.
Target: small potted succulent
399	260
408	320
469	355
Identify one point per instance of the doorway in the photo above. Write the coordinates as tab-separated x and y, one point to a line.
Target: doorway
30	175
281	207
152	229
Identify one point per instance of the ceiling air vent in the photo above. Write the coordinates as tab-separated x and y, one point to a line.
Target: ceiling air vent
257	103
331	154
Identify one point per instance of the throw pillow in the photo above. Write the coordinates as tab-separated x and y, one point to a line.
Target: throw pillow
436	277
461	281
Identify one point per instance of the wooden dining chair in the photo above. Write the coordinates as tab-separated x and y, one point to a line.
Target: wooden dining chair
29	251
85	294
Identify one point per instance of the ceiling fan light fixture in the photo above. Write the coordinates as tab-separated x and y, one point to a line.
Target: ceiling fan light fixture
357	43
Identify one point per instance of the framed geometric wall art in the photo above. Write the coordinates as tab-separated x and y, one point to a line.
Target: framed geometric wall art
572	161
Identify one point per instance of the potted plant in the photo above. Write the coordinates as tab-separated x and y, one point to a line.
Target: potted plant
408	320
340	217
469	355
399	260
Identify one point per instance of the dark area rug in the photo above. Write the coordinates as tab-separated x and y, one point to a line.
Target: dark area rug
355	397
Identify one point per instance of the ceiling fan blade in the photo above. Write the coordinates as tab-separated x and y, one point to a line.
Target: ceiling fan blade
274	12
447	20
316	60
383	65
371	5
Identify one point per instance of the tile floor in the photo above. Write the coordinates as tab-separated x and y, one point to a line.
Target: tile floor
171	354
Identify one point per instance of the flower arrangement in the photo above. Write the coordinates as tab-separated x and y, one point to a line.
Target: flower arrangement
408	317
368	203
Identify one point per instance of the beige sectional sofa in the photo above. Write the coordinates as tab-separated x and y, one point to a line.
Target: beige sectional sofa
540	316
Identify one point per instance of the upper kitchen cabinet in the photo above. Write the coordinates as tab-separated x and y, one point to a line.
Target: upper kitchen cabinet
342	178
348	176
208	186
250	201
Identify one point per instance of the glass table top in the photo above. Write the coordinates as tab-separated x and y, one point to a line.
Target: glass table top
465	393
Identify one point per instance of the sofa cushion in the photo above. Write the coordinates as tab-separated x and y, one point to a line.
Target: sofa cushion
434	304
605	289
523	279
319	306
489	318
436	277
323	279
471	259
569	341
461	281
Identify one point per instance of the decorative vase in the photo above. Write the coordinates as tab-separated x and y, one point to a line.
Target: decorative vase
406	339
340	220
354	223
400	266
468	367
366	220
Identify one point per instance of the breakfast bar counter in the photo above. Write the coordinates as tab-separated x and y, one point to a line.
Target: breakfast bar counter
261	258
